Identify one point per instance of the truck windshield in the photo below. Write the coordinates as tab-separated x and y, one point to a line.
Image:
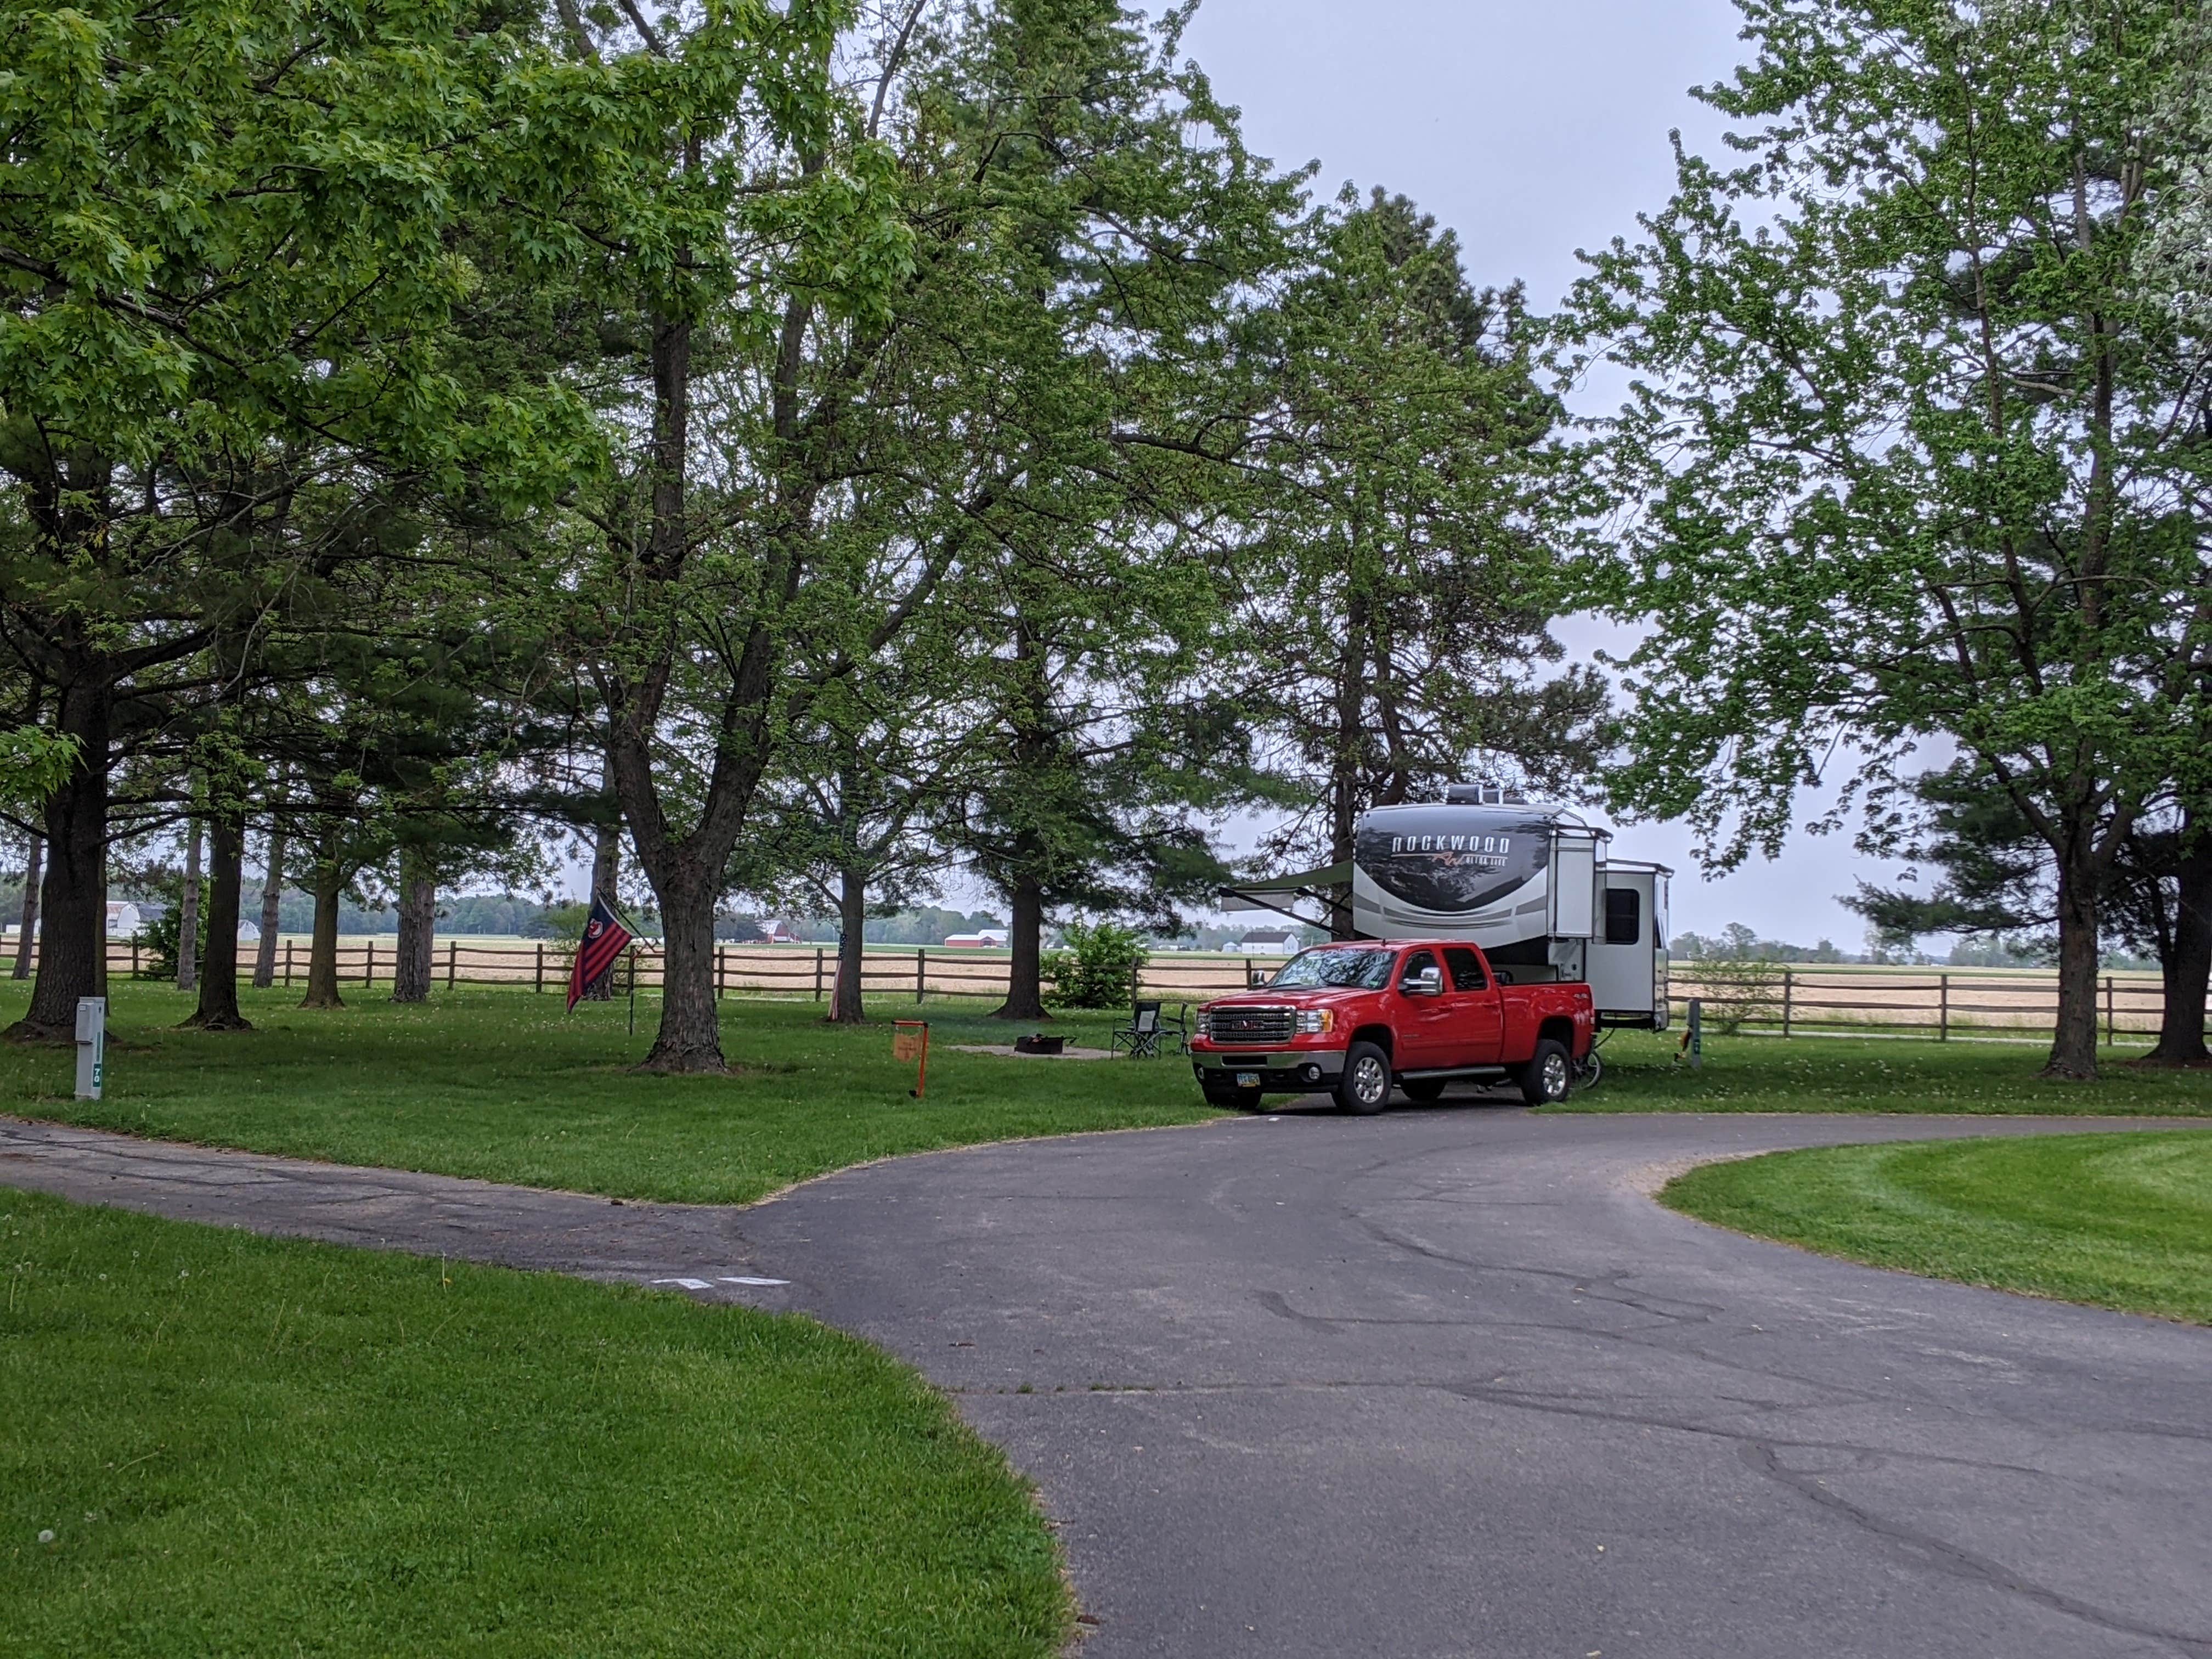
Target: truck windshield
1352	967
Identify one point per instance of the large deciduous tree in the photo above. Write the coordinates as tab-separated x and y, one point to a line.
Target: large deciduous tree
1908	452
938	367
738	331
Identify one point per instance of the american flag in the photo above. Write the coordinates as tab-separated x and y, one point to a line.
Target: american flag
604	939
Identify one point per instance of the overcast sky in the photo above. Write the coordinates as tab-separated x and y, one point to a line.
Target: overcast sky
1532	130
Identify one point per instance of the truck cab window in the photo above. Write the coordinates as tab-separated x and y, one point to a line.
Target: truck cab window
1416	964
1465	968
1624	916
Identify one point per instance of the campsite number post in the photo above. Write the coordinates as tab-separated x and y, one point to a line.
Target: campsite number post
91	1045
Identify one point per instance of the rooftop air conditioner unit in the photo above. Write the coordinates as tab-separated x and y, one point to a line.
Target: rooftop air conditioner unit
1483	794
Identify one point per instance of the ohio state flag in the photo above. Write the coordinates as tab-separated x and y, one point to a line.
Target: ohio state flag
603	941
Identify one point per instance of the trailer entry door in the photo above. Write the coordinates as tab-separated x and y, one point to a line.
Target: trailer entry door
1574	887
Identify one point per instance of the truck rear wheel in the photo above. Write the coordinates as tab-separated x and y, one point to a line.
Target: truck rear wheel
1364	1088
1549	1075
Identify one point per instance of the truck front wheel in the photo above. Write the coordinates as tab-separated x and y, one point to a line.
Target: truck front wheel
1549	1075
1364	1088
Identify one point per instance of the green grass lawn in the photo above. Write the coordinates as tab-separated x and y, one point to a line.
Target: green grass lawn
501	1084
245	1446
2120	1220
1875	1074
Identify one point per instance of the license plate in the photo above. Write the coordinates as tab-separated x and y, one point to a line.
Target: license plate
1248	1079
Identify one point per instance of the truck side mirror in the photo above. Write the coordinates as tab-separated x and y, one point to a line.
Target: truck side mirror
1428	982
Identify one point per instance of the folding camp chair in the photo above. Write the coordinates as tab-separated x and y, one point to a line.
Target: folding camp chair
1141	1035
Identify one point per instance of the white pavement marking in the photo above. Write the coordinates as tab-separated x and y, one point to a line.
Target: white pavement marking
688	1284
746	1279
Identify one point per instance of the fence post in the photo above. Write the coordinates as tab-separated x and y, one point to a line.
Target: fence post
452	961
817	974
1788	999
718	973
920	971
1943	1009
2110	1032
287	964
134	955
540	985
369	962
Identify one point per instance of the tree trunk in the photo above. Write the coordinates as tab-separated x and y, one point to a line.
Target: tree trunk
188	914
2186	970
606	878
1025	937
2073	1044
272	904
418	923
606	861
845	1007
27	932
690	1035
218	1010
1344	759
686	871
327	882
73	897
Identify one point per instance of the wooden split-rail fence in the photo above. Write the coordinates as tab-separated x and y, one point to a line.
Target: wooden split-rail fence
1790	1001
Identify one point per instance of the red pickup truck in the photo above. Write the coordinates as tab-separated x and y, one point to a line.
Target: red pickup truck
1358	1017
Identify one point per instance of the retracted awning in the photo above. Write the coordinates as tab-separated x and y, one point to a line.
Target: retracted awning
1275	893
1335	876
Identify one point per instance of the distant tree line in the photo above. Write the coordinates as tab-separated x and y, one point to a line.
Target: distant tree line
1737	943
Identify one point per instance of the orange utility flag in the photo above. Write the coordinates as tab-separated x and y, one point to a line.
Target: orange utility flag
910	1041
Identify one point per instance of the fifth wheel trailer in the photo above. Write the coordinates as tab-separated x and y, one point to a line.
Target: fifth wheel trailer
1533	885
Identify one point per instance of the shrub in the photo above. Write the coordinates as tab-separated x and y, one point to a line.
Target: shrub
562	921
1099	968
1739	993
157	939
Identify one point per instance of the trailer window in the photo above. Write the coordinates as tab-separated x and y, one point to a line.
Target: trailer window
1346	967
1624	916
1465	968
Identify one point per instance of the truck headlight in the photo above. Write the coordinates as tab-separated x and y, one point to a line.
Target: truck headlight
1206	1022
1312	1021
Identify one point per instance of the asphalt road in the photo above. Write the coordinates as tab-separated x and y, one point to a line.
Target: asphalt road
1444	1383
1448	1382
